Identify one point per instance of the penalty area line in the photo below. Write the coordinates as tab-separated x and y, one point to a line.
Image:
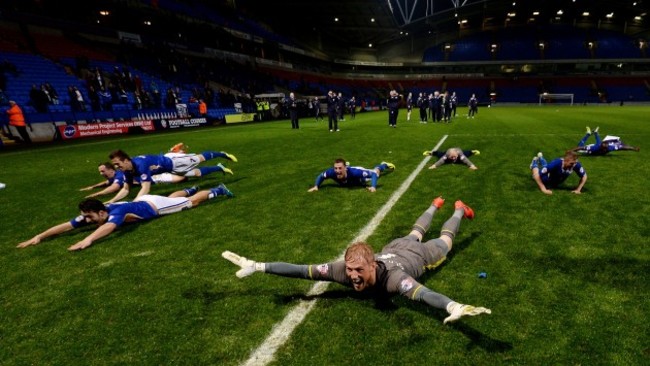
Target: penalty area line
281	331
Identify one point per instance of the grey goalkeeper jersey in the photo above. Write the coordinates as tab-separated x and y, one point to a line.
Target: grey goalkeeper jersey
400	263
462	158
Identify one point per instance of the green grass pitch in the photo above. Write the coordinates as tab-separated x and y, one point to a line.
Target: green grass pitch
567	275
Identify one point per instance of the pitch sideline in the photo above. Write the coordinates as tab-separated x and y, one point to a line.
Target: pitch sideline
281	331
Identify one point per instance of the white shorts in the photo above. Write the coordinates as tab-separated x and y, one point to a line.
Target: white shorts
164	178
183	163
166	205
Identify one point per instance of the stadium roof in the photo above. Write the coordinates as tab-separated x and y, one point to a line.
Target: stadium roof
360	23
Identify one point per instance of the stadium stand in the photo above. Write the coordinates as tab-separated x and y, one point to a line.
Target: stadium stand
239	61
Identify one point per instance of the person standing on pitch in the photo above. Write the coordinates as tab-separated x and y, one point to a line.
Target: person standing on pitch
473	106
422	103
393	108
17	119
341	107
352	106
316	106
332	111
292	104
454	104
409	106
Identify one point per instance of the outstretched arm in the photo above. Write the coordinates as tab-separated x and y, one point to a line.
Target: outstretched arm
317	184
334	272
54	230
101	232
110	189
455	310
121	194
100	184
439	162
628	147
467	162
248	267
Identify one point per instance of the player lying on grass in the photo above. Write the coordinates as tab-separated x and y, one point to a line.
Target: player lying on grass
143	168
110	217
550	175
601	147
392	271
352	176
115	178
454	155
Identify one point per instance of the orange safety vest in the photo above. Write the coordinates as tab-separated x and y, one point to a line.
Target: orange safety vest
16	117
203	108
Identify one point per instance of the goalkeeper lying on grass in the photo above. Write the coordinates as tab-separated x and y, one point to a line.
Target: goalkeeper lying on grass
392	271
454	155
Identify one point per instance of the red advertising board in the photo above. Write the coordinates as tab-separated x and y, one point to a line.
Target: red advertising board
103	129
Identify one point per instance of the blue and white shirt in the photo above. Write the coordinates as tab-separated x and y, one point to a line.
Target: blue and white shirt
356	176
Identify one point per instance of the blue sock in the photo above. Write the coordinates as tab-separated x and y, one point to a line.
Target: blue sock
191	191
213	154
214	192
598	140
210	169
542	162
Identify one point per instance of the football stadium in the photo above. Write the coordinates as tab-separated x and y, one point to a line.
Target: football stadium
336	182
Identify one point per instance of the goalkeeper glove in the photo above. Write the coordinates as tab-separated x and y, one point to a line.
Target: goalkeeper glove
247	266
456	311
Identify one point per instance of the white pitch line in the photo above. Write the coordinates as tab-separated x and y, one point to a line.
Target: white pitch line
281	331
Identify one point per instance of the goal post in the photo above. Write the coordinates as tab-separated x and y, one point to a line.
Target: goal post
550	98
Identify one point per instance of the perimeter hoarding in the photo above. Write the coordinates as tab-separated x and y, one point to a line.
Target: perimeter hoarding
74	131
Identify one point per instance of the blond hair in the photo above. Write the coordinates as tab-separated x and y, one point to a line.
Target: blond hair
360	249
571	155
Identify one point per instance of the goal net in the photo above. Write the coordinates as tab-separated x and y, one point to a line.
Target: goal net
548	98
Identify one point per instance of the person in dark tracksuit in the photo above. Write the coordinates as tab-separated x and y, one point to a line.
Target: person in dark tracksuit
341	107
437	107
292	104
409	106
422	103
473	106
446	107
352	105
332	111
316	106
454	104
393	108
